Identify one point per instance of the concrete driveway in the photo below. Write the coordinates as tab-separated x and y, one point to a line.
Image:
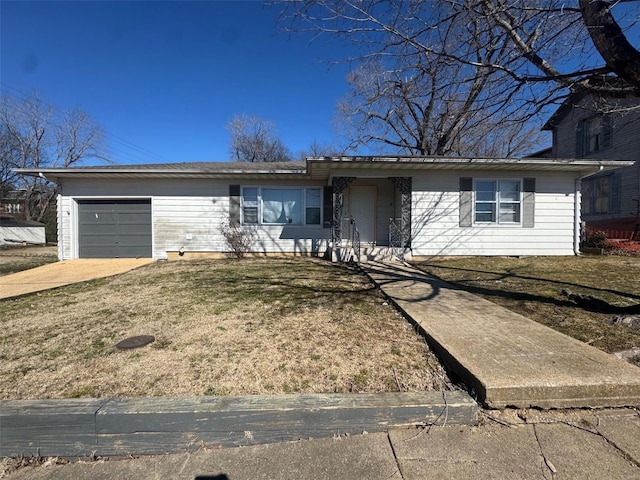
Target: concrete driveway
65	273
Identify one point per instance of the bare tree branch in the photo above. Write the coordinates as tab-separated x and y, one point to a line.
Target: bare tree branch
35	135
430	77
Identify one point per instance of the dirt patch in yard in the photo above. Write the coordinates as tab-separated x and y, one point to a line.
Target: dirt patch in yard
225	327
538	287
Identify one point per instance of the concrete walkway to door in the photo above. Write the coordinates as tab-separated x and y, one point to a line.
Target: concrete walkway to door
507	359
66	272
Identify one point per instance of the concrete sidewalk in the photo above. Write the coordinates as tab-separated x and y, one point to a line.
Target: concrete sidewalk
525	445
508	360
58	274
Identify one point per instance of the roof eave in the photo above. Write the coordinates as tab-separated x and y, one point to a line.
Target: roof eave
330	166
322	168
54	174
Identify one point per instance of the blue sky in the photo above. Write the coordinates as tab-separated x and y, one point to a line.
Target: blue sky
167	77
164	78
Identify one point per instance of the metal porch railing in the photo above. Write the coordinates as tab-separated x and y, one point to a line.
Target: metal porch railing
397	240
355	240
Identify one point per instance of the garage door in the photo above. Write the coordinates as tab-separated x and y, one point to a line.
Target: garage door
114	228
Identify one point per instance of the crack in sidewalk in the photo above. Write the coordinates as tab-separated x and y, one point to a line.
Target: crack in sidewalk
550	466
395	457
610	442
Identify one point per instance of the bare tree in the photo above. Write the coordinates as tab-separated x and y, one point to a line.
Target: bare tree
8	160
253	139
317	149
36	135
503	141
430	74
431	109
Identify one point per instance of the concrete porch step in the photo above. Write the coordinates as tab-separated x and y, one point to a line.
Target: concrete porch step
369	253
383	254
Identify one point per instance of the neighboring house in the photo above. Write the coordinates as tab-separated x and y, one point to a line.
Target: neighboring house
419	206
12	203
610	199
14	231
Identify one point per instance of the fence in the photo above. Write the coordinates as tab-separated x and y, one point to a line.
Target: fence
625	235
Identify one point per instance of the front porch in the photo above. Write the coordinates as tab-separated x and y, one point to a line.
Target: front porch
371	218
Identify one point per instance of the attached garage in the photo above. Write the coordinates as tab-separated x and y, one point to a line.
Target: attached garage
119	228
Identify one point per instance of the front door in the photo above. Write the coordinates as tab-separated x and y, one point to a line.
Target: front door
362	208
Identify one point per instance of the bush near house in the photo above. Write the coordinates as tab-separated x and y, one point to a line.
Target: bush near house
613	241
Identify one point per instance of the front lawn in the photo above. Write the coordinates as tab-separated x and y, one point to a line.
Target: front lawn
533	287
17	258
226	327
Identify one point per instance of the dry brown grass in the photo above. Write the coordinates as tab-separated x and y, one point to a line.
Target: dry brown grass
226	327
17	258
533	287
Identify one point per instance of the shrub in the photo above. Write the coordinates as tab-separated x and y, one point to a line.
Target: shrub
237	239
596	240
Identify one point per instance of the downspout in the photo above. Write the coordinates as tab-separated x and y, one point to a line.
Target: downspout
577	197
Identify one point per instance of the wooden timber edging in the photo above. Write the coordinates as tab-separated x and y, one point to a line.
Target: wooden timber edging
141	426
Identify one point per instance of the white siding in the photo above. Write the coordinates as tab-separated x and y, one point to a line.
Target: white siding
12	235
191	222
435	219
65	230
186	213
296	239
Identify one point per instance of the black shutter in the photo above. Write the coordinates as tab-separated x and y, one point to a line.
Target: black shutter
466	201
528	202
327	207
234	204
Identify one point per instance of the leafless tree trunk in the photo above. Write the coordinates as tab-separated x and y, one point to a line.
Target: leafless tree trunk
36	135
619	55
